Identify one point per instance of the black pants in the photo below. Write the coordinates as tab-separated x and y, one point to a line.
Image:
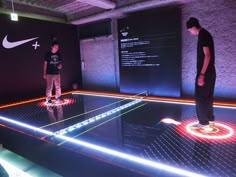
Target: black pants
204	99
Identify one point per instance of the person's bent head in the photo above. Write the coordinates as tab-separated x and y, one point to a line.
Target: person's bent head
193	25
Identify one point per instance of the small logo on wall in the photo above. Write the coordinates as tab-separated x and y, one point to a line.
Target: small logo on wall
124	34
9	45
124	31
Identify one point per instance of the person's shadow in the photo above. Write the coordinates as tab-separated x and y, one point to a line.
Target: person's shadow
55	115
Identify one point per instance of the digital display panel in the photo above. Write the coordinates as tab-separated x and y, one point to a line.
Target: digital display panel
149	51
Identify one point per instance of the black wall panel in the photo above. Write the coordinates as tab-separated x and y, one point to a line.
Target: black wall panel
21	67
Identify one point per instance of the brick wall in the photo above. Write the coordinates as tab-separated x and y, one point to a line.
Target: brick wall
218	17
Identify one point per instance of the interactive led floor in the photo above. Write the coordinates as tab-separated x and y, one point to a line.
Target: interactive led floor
152	138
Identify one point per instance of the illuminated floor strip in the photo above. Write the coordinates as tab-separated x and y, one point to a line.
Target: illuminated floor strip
27	101
104	122
187	103
118	154
112	96
96	118
158	100
76	116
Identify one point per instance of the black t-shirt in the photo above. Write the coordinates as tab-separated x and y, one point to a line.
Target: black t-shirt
53	59
205	40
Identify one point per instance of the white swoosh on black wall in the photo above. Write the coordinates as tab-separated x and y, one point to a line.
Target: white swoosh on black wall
8	45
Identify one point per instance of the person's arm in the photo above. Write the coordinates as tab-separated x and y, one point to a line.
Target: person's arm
206	61
45	69
59	66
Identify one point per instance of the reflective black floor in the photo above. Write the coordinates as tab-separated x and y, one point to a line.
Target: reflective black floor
132	134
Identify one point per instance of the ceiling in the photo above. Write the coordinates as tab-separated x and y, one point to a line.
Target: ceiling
78	11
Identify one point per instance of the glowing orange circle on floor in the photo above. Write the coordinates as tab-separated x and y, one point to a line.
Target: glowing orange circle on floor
54	103
66	101
219	131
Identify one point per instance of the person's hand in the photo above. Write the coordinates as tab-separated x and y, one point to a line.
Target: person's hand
200	80
44	76
59	66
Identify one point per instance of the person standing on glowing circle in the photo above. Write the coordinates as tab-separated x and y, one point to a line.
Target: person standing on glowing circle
51	72
206	74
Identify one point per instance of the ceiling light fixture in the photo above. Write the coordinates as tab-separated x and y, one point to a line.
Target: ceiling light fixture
14	16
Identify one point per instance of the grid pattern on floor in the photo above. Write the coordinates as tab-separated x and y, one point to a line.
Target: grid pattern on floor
208	157
143	134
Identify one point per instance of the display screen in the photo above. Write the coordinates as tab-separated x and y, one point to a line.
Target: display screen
149	51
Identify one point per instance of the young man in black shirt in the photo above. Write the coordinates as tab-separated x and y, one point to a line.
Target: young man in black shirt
51	72
206	75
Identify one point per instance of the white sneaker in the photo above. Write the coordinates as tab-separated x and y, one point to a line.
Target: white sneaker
198	126
58	100
212	124
208	128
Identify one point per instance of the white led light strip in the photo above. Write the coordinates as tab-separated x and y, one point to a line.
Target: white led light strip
96	118
105	150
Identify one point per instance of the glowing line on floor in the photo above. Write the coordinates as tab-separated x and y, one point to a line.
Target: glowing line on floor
219	106
105	150
96	118
78	115
186	103
112	96
81	133
28	101
158	100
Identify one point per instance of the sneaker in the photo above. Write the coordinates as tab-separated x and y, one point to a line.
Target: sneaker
206	128
58	100
49	102
212	124
198	126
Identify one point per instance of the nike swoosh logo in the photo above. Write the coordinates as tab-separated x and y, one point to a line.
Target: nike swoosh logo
8	45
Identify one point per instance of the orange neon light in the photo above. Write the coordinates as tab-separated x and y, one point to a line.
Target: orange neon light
27	101
172	99
154	98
